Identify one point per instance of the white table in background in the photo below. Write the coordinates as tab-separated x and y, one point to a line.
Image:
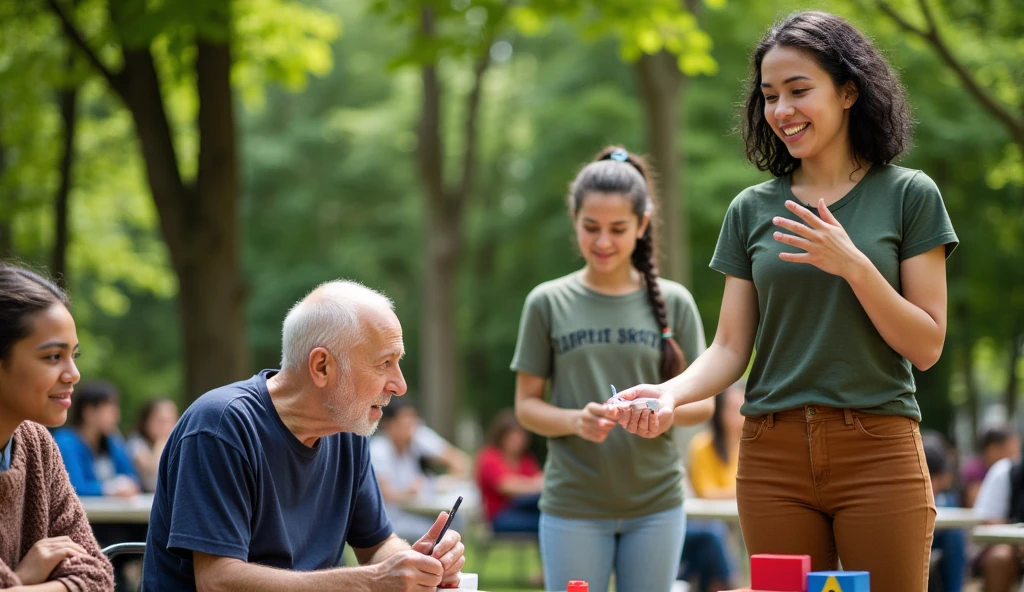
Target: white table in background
440	496
118	510
994	534
711	509
946	518
951	518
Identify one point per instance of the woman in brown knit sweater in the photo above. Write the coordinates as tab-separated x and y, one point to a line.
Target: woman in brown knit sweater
46	544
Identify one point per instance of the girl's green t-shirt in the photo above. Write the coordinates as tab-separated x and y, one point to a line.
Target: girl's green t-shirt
583	342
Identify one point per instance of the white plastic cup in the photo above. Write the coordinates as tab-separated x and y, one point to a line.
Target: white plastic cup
469	581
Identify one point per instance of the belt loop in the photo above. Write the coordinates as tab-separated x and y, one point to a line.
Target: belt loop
771	420
848	416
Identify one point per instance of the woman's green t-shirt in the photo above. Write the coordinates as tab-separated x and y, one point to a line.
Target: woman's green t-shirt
815	343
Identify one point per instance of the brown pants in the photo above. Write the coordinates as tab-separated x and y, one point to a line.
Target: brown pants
839	485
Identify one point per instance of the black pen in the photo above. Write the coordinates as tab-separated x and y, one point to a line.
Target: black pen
447	524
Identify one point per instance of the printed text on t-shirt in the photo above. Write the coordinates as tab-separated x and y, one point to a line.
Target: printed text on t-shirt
621	336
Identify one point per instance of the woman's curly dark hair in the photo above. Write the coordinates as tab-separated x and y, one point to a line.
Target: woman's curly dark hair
880	120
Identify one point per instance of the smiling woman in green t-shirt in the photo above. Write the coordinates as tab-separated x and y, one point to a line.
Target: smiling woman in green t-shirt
835	276
611	501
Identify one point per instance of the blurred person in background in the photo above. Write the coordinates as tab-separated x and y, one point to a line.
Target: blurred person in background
1001	501
711	466
951	544
714	453
98	463
46	544
509	478
154	424
93	450
996	443
405	453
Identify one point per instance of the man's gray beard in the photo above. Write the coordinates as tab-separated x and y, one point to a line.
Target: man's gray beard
368	432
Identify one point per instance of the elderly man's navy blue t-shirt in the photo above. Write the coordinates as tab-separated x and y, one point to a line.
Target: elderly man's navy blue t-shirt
235	482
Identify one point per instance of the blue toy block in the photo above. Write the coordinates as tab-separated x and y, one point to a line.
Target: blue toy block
838	581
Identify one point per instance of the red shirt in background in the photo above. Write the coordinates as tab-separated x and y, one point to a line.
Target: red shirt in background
491	468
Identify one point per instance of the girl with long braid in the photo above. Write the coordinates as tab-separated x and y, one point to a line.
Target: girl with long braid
611	501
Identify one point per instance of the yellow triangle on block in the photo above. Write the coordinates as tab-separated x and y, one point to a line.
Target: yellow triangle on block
832	585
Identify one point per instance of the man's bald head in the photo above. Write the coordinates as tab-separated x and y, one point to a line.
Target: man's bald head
329	317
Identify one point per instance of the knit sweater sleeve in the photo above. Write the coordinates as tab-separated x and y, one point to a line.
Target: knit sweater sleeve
7	577
87	573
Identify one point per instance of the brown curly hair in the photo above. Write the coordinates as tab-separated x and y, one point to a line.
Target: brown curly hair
880	119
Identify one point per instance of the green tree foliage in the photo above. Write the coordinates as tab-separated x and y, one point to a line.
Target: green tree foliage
189	48
471	36
331	186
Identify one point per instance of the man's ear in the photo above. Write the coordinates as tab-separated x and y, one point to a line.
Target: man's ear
320	362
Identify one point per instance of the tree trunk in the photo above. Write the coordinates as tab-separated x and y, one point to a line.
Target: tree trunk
212	311
440	365
440	354
212	287
199	223
439	359
660	82
67	99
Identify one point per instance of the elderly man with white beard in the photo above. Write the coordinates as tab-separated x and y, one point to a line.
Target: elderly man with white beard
263	481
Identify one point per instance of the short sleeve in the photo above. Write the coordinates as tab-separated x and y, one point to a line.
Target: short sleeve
214	488
926	223
993	501
689	329
370	524
533	348
731	257
429	442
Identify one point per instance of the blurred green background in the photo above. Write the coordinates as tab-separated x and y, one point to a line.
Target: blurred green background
192	168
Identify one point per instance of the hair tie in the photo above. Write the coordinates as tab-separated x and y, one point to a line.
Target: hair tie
666	333
619	155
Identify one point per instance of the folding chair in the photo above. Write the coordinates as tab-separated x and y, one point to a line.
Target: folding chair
124	549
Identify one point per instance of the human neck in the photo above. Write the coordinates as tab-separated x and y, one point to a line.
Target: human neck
616	282
833	168
290	397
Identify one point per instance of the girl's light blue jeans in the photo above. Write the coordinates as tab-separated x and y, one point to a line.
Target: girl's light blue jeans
644	552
